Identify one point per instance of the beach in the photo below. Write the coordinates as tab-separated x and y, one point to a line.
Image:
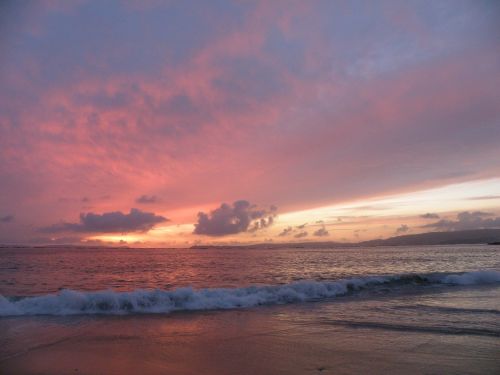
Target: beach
268	340
338	337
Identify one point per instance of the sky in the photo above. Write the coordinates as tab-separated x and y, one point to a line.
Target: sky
175	123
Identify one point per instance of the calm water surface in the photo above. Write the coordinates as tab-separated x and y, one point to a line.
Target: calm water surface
27	272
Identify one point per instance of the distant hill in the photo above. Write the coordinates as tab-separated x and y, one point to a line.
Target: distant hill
477	236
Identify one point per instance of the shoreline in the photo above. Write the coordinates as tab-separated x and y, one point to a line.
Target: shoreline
322	337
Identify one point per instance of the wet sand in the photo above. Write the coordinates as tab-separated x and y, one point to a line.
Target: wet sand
293	339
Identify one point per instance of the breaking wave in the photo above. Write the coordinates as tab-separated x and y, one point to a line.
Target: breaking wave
71	302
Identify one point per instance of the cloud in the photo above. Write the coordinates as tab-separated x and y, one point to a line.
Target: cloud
467	220
106	118
147	199
484	197
429	216
261	224
301	234
286	232
321	232
402	229
110	222
6	218
234	219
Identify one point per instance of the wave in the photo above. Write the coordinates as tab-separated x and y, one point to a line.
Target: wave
71	302
448	309
411	328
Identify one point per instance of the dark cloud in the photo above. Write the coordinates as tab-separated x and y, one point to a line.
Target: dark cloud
402	229
261	224
286	232
467	220
299	230
321	232
6	218
110	222
240	217
429	215
301	234
147	199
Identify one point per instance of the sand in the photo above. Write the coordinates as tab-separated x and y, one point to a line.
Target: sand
289	339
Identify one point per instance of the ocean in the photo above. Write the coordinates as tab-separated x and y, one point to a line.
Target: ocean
425	309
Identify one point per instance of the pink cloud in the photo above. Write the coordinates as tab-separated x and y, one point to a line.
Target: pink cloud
278	105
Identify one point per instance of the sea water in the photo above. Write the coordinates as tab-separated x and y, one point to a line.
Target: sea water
430	309
62	281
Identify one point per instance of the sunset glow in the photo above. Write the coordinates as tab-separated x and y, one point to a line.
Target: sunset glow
249	187
121	122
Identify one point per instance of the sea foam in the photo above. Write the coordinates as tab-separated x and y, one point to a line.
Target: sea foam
71	302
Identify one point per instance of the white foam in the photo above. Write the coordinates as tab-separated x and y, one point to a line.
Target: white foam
70	302
471	278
